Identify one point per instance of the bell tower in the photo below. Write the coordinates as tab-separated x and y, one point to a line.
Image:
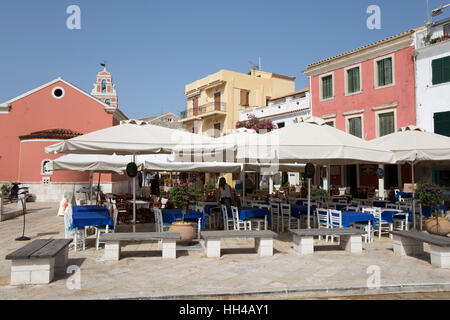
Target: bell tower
104	89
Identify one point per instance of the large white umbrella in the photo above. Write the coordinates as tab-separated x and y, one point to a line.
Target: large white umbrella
128	138
412	145
131	137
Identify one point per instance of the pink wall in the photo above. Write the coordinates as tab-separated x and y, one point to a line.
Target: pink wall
40	111
402	92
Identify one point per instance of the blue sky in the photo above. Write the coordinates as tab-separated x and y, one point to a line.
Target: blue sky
154	48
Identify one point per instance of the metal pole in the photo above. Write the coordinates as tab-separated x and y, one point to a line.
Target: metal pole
413	200
134	199
309	203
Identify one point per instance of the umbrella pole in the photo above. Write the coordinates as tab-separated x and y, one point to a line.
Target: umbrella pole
413	199
91	178
134	199
309	203
98	187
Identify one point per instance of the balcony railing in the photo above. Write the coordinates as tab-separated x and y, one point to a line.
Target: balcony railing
209	107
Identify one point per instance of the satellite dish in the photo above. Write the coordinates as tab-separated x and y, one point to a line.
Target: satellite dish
309	170
132	169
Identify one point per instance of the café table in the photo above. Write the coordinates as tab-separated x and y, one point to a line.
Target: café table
351	216
171	215
249	212
86	216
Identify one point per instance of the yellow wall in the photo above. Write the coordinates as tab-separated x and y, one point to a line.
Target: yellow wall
262	85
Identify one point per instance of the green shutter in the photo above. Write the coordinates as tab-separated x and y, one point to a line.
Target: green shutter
355	127
441	70
387	71
327	87
442	123
387	125
353	80
384	72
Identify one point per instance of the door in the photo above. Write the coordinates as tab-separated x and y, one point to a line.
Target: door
391	176
351	177
217	101
195	106
216	130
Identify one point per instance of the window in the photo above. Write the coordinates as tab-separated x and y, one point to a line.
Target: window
216	130
330	123
353	80
58	92
441	70
447	29
386	122
244	97
280	125
103	86
327	87
46	167
355	126
384	74
195	106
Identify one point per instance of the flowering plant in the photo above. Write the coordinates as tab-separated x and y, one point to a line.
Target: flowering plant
254	123
182	195
430	195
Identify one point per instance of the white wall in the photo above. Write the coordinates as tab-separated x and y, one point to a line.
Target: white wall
430	98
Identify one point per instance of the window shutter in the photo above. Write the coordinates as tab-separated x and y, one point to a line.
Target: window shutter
436	66
386	123
244	98
388	71
380	72
446	69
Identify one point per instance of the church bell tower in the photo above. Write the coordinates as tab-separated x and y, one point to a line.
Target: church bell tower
104	89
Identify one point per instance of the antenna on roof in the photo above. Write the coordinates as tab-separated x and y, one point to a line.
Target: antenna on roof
256	66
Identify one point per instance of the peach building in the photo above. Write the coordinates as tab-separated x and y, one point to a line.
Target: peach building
53	112
368	92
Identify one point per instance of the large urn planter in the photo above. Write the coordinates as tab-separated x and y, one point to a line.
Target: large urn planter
444	226
185	229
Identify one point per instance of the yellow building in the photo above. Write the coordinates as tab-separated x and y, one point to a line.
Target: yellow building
213	103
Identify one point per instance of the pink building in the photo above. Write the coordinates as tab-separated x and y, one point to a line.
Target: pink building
43	116
368	92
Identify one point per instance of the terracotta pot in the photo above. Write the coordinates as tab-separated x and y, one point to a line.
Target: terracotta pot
444	226
185	229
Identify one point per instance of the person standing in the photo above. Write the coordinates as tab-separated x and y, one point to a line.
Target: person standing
224	194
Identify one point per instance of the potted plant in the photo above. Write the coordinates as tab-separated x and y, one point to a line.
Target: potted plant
181	196
5	189
431	195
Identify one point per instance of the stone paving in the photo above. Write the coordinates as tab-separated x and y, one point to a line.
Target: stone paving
238	273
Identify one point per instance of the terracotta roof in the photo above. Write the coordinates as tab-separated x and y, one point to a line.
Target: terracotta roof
365	47
290	94
61	134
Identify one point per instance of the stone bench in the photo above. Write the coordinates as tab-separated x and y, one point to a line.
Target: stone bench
112	242
35	263
411	242
350	238
263	240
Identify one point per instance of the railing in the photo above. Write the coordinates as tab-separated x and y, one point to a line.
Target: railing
205	108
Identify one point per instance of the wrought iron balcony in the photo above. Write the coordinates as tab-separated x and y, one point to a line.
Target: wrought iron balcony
208	108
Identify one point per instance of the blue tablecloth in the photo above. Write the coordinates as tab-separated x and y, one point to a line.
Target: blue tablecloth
403	194
83	216
349	216
380	203
247	212
208	208
171	215
426	211
388	215
296	210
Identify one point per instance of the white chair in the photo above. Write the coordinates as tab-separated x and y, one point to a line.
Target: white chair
78	234
292	222
342	191
323	220
163	202
260	223
275	215
335	221
227	222
366	226
160	225
105	229
382	226
238	223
